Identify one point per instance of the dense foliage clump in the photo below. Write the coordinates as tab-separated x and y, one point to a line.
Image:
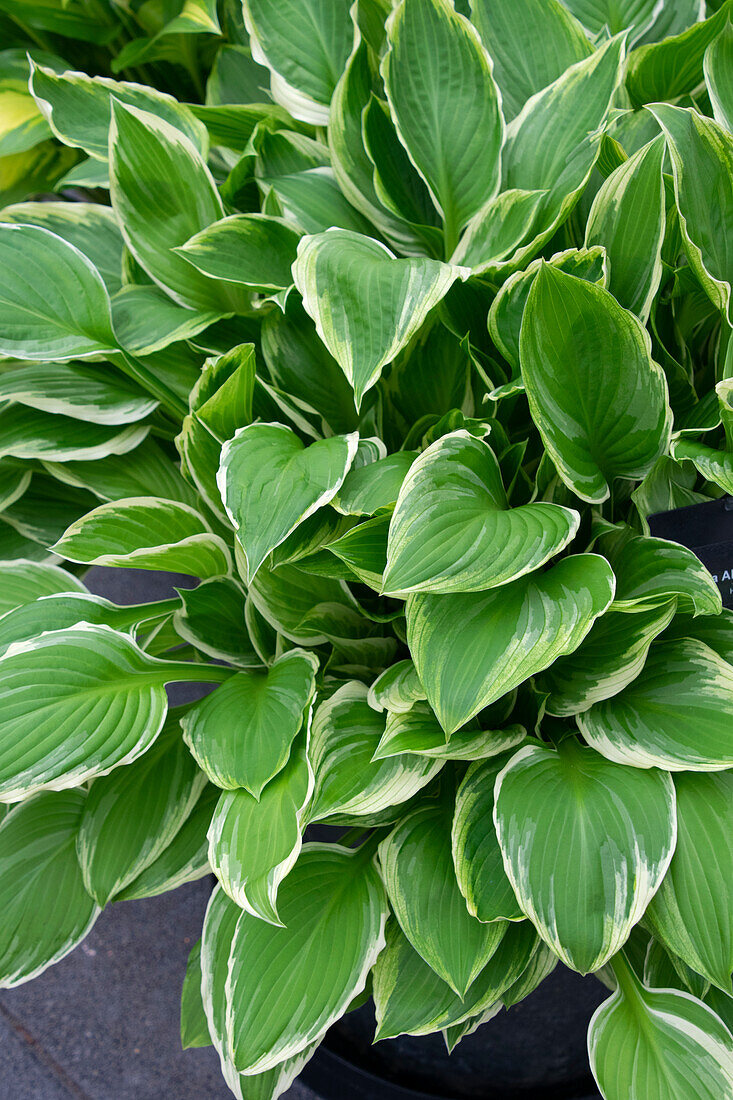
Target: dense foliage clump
395	343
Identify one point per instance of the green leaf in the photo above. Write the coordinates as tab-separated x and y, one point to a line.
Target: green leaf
658	1043
305	45
285	595
29	433
650	571
702	160
76	704
26	581
690	912
270	483
545	135
612	655
146	533
254	843
627	218
396	689
419	732
349	782
531	42
211	618
163	194
184	860
675	715
73	389
146	320
411	999
46	910
714	465
78	108
503	232
53	303
132	815
421	885
439	83
453	530
477	858
241	735
598	399
364	550
145	471
586	844
717	66
14	480
252	249
469	650
614	15
669	69
366	304
194	1025
274	1008
89	227
507	309
59	612
368	489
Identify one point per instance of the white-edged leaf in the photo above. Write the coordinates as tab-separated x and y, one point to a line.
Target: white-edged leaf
76	390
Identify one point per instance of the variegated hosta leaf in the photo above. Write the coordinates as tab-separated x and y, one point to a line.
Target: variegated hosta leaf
365	303
163	193
614	15
53	303
31	434
75	704
655	1044
275	1009
78	108
531	42
366	489
598	399
396	689
627	218
349	782
421	884
46	910
702	159
211	618
441	91
586	844
477	857
507	309
691	911
607	661
470	649
674	715
23	582
410	998
184	860
253	844
241	734
364	550
270	483
252	249
453	530
144	471
305	45
714	465
132	815
75	390
717	68
194	1025
146	320
651	571
284	597
146	533
418	732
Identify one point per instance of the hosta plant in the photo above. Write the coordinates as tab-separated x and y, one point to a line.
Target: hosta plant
396	354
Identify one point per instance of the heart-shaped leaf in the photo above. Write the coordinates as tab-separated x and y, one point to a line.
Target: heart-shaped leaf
252	249
586	844
270	483
453	531
595	394
674	715
365	303
419	732
242	733
418	872
471	649
700	932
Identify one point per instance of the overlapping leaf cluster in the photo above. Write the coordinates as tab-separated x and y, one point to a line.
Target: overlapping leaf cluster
395	344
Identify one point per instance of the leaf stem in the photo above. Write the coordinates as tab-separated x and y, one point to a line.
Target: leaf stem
130	614
627	980
204	674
